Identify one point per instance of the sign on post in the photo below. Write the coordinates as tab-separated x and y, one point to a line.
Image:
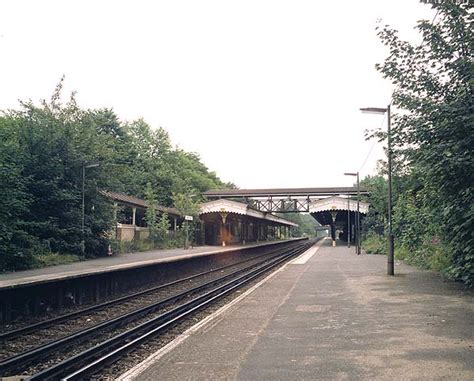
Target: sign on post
188	218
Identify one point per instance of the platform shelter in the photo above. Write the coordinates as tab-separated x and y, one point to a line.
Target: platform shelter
130	216
229	222
340	214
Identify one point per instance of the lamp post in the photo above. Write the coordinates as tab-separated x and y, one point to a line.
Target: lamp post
186	224
348	223
383	110
357	219
84	167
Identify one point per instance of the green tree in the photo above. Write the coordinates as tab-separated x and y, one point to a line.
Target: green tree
162	230
188	205
17	246
54	142
433	131
43	149
375	221
306	224
151	212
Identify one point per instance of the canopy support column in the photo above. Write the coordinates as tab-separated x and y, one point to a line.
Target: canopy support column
222	227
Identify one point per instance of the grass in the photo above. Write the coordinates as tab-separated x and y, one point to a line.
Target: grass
54	259
375	244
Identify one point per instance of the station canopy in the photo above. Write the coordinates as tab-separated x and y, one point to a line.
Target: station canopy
228	206
337	203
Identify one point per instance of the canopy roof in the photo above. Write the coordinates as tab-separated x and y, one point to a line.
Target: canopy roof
228	206
337	203
138	202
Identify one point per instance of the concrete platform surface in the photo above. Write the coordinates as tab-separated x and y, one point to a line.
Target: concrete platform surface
112	263
336	316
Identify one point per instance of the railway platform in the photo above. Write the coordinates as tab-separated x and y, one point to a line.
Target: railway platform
114	263
329	315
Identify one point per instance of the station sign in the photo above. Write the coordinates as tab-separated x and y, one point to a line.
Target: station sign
188	218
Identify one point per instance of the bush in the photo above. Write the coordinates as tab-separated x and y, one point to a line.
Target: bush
431	255
402	252
20	260
28	259
20	252
375	244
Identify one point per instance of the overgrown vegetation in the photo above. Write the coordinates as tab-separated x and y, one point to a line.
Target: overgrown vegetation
433	145
306	224
43	150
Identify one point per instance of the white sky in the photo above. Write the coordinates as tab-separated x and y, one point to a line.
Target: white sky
267	92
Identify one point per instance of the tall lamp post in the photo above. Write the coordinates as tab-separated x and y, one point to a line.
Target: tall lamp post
383	110
348	223
84	167
357	219
186	224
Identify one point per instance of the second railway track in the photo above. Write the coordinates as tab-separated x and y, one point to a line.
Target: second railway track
84	312
55	359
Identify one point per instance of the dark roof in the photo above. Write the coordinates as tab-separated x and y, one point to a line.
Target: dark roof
284	192
120	197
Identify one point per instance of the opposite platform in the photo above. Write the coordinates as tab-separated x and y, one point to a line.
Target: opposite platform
330	316
114	263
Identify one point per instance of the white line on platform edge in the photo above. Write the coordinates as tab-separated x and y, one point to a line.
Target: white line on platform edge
134	372
305	257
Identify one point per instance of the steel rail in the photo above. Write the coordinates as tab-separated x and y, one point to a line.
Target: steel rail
44	350
60	319
135	336
23	359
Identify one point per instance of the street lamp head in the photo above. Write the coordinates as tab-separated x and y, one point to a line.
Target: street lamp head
350	174
92	165
374	110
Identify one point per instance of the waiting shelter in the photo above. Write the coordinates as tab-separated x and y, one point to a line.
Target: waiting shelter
130	216
229	222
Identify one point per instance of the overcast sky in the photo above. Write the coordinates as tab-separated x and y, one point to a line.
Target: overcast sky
266	92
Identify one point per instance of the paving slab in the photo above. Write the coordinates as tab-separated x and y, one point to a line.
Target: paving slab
336	316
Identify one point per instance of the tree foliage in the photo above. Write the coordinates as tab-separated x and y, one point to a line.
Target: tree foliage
151	213
188	205
433	133
306	224
43	149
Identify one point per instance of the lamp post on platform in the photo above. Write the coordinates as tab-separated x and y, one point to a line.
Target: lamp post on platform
357	220
186	226
84	167
348	223
381	111
187	220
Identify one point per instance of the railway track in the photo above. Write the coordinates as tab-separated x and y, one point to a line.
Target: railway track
170	310
32	328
